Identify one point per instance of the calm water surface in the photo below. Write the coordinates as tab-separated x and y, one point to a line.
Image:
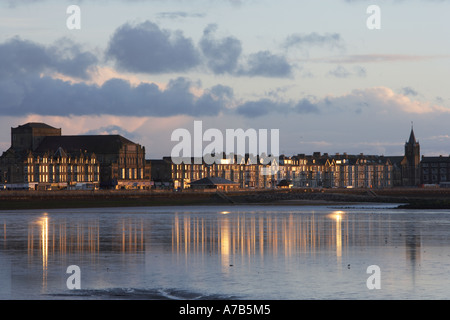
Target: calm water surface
220	252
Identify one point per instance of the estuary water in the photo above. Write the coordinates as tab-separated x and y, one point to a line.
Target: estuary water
283	252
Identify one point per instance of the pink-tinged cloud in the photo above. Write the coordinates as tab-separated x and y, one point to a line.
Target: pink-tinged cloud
380	100
388	100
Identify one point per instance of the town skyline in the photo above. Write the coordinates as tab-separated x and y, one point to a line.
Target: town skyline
316	72
224	153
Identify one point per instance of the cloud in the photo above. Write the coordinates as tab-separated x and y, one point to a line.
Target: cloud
342	72
222	55
21	57
145	48
408	91
374	101
306	106
262	107
253	109
442	138
34	94
266	64
383	100
301	40
179	14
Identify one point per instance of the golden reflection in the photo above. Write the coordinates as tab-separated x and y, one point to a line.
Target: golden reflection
252	234
44	248
224	239
131	237
338	216
47	237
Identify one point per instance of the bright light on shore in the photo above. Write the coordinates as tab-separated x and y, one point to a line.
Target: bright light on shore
337	215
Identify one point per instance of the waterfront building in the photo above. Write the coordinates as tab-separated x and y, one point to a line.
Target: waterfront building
435	170
122	162
41	158
302	171
248	172
344	171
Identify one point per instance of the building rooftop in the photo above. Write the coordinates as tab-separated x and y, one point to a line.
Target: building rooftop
99	144
36	125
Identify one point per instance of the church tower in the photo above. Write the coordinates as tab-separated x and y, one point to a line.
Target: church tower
412	157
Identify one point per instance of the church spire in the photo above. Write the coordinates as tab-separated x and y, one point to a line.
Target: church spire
412	138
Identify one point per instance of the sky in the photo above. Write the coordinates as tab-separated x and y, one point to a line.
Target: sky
314	70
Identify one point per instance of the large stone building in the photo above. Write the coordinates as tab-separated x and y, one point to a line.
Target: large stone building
40	157
343	171
305	171
247	172
314	171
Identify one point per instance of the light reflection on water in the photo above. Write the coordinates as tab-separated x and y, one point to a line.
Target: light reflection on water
252	252
268	234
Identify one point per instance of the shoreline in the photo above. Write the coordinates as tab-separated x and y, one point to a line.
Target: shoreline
411	198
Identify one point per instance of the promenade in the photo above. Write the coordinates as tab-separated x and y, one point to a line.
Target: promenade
420	198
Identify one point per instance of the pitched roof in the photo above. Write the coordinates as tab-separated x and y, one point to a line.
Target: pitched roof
99	144
213	181
36	125
60	153
395	159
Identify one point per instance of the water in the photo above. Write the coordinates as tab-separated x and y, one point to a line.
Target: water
226	252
